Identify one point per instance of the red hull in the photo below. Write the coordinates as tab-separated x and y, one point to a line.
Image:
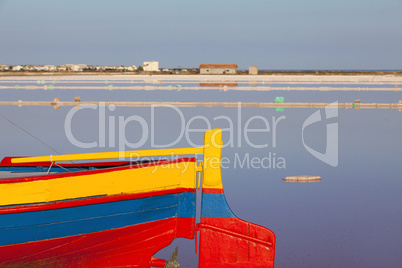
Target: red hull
128	246
232	242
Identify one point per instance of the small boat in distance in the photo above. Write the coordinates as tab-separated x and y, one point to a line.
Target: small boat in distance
119	214
302	178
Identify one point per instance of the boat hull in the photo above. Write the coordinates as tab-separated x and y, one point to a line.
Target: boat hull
120	214
99	230
126	246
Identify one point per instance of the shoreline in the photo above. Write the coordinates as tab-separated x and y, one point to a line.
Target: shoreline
356	78
192	73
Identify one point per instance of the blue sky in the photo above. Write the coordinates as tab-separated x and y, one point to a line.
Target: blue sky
273	34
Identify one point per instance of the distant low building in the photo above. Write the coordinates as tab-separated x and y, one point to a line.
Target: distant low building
50	68
131	68
150	66
218	68
30	67
62	68
3	67
37	68
110	68
17	68
76	67
253	70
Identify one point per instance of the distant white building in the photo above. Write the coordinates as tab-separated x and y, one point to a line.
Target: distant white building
131	68
110	68
50	68
150	66
17	68
62	68
76	67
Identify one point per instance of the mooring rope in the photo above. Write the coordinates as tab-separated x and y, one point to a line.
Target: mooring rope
21	128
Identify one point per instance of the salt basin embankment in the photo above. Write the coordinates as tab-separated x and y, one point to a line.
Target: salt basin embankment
387	82
302	178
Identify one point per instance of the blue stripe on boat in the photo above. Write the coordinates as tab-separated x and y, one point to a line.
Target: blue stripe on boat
39	225
215	205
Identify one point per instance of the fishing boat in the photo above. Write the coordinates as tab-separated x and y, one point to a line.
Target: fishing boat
119	214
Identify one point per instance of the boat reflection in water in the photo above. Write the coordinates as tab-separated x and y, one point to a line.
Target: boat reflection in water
114	214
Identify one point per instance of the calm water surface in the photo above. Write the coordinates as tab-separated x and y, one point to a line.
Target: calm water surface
352	218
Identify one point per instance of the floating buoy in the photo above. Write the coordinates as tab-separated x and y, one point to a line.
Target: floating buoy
302	178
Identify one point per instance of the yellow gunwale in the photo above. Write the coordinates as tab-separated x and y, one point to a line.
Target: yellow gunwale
109	155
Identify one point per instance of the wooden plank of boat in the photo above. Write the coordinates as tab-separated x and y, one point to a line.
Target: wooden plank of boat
302	178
